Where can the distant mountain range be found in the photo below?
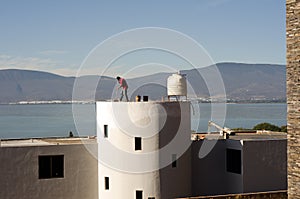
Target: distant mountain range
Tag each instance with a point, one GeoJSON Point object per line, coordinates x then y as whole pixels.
{"type": "Point", "coordinates": [241, 81]}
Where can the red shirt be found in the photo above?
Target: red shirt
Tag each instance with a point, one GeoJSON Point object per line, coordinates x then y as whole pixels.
{"type": "Point", "coordinates": [123, 83]}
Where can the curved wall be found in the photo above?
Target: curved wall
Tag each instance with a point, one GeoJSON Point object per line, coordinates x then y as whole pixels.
{"type": "Point", "coordinates": [129, 170]}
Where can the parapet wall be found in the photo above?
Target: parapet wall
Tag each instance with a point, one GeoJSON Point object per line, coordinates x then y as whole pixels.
{"type": "Point", "coordinates": [293, 95]}
{"type": "Point", "coordinates": [269, 195]}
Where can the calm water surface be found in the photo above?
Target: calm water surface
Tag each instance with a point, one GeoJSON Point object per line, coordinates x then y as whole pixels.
{"type": "Point", "coordinates": [47, 120]}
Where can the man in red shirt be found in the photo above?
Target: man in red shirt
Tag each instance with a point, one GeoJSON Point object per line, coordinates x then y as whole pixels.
{"type": "Point", "coordinates": [124, 86]}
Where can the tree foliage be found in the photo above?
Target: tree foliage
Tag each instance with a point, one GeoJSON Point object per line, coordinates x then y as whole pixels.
{"type": "Point", "coordinates": [283, 128]}
{"type": "Point", "coordinates": [267, 126]}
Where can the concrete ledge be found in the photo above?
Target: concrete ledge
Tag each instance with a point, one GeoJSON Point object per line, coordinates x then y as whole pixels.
{"type": "Point", "coordinates": [282, 194]}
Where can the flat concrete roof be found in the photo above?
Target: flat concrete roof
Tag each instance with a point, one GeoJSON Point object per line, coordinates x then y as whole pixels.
{"type": "Point", "coordinates": [47, 141]}
{"type": "Point", "coordinates": [246, 136]}
{"type": "Point", "coordinates": [265, 135]}
{"type": "Point", "coordinates": [260, 135]}
{"type": "Point", "coordinates": [149, 101]}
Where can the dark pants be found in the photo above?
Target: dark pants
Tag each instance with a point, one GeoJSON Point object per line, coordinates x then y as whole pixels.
{"type": "Point", "coordinates": [124, 92]}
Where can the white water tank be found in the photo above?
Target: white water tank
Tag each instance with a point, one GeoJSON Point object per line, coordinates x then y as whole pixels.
{"type": "Point", "coordinates": [176, 85]}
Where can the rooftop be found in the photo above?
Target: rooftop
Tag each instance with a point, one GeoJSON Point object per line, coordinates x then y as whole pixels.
{"type": "Point", "coordinates": [47, 141]}
{"type": "Point", "coordinates": [246, 136]}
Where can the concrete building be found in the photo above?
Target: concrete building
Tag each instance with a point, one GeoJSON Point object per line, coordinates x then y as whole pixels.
{"type": "Point", "coordinates": [242, 163]}
{"type": "Point", "coordinates": [144, 151]}
{"type": "Point", "coordinates": [48, 168]}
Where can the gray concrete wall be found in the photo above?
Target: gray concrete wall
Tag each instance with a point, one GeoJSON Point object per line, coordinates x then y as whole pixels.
{"type": "Point", "coordinates": [293, 95]}
{"type": "Point", "coordinates": [257, 195]}
{"type": "Point", "coordinates": [19, 173]}
{"type": "Point", "coordinates": [265, 165]}
{"type": "Point", "coordinates": [175, 134]}
{"type": "Point", "coordinates": [208, 174]}
{"type": "Point", "coordinates": [176, 182]}
{"type": "Point", "coordinates": [234, 182]}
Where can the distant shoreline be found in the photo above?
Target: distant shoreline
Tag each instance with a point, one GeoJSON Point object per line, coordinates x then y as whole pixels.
{"type": "Point", "coordinates": [280, 101]}
{"type": "Point", "coordinates": [47, 102]}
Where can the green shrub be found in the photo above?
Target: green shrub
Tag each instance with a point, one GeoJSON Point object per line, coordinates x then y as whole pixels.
{"type": "Point", "coordinates": [267, 126]}
{"type": "Point", "coordinates": [283, 128]}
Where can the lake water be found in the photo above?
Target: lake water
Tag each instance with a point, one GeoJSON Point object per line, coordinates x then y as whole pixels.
{"type": "Point", "coordinates": [47, 120]}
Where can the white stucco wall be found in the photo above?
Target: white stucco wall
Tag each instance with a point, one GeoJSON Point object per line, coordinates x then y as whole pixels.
{"type": "Point", "coordinates": [124, 185]}
{"type": "Point", "coordinates": [129, 170]}
{"type": "Point", "coordinates": [175, 138]}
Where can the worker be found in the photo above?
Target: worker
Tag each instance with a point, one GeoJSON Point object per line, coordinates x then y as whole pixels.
{"type": "Point", "coordinates": [124, 86]}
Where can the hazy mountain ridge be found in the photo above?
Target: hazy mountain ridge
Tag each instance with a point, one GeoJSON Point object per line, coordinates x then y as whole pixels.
{"type": "Point", "coordinates": [244, 81]}
{"type": "Point", "coordinates": [241, 81]}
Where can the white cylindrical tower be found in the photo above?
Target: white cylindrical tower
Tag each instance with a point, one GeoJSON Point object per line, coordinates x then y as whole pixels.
{"type": "Point", "coordinates": [131, 162]}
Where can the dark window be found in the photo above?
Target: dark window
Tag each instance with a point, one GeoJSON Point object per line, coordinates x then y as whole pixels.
{"type": "Point", "coordinates": [145, 98]}
{"type": "Point", "coordinates": [174, 160]}
{"type": "Point", "coordinates": [138, 143]}
{"type": "Point", "coordinates": [105, 131]}
{"type": "Point", "coordinates": [139, 194]}
{"type": "Point", "coordinates": [233, 161]}
{"type": "Point", "coordinates": [106, 182]}
{"type": "Point", "coordinates": [151, 197]}
{"type": "Point", "coordinates": [51, 166]}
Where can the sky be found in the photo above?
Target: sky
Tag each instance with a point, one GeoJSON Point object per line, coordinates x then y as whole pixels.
{"type": "Point", "coordinates": [59, 36]}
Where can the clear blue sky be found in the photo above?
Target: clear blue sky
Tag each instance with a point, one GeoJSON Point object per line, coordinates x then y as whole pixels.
{"type": "Point", "coordinates": [56, 35]}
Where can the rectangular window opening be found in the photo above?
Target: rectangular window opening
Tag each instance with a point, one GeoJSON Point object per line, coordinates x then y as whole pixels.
{"type": "Point", "coordinates": [139, 194]}
{"type": "Point", "coordinates": [106, 182]}
{"type": "Point", "coordinates": [105, 130]}
{"type": "Point", "coordinates": [151, 197]}
{"type": "Point", "coordinates": [51, 166]}
{"type": "Point", "coordinates": [174, 160]}
{"type": "Point", "coordinates": [234, 161]}
{"type": "Point", "coordinates": [138, 143]}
